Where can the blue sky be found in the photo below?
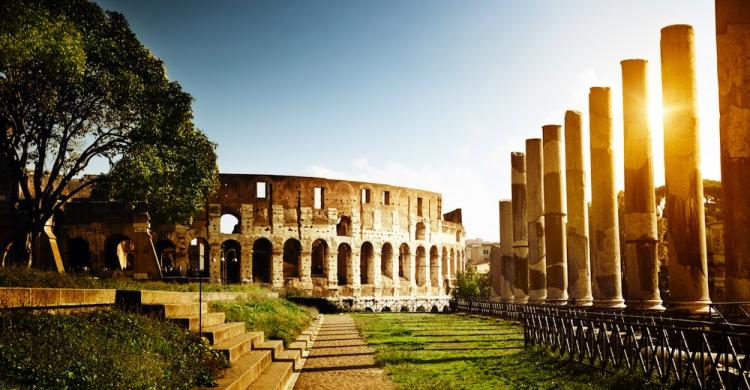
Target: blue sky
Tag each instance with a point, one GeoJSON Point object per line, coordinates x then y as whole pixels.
{"type": "Point", "coordinates": [426, 94]}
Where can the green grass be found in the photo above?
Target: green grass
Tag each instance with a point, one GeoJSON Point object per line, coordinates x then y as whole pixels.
{"type": "Point", "coordinates": [278, 318]}
{"type": "Point", "coordinates": [31, 277]}
{"type": "Point", "coordinates": [454, 351]}
{"type": "Point", "coordinates": [101, 350]}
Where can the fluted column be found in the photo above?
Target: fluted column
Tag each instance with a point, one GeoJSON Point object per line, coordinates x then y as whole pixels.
{"type": "Point", "coordinates": [641, 237]}
{"type": "Point", "coordinates": [520, 243]}
{"type": "Point", "coordinates": [733, 55]}
{"type": "Point", "coordinates": [535, 221]}
{"type": "Point", "coordinates": [605, 239]}
{"type": "Point", "coordinates": [554, 216]}
{"type": "Point", "coordinates": [507, 272]}
{"type": "Point", "coordinates": [579, 273]}
{"type": "Point", "coordinates": [688, 270]}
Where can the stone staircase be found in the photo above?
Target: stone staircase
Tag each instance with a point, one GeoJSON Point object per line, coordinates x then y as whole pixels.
{"type": "Point", "coordinates": [256, 363]}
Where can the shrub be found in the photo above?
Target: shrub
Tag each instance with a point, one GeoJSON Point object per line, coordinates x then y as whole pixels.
{"type": "Point", "coordinates": [471, 285]}
{"type": "Point", "coordinates": [102, 350]}
{"type": "Point", "coordinates": [278, 318]}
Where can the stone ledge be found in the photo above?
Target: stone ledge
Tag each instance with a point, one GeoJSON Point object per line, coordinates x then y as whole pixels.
{"type": "Point", "coordinates": [23, 297]}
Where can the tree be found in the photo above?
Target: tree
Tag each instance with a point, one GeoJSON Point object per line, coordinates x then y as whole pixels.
{"type": "Point", "coordinates": [77, 86]}
{"type": "Point", "coordinates": [472, 285]}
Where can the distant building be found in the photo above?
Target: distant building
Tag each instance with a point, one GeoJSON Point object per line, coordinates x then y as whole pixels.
{"type": "Point", "coordinates": [478, 254]}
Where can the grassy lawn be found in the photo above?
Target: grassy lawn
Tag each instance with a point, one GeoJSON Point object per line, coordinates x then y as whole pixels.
{"type": "Point", "coordinates": [455, 351]}
{"type": "Point", "coordinates": [278, 318]}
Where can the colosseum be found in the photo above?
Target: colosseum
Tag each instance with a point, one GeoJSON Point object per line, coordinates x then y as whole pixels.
{"type": "Point", "coordinates": [363, 245]}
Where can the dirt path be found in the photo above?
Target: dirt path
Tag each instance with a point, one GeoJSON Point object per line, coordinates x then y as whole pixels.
{"type": "Point", "coordinates": [340, 359]}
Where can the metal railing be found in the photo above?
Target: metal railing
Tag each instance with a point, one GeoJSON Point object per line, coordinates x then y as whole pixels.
{"type": "Point", "coordinates": [698, 353]}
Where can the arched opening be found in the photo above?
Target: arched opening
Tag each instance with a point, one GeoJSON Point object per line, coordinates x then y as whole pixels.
{"type": "Point", "coordinates": [386, 260]}
{"type": "Point", "coordinates": [165, 252]}
{"type": "Point", "coordinates": [292, 258]}
{"type": "Point", "coordinates": [366, 266]}
{"type": "Point", "coordinates": [434, 263]}
{"type": "Point", "coordinates": [405, 309]}
{"type": "Point", "coordinates": [79, 255]}
{"type": "Point", "coordinates": [344, 227]}
{"type": "Point", "coordinates": [445, 263]}
{"type": "Point", "coordinates": [368, 310]}
{"type": "Point", "coordinates": [434, 309]}
{"type": "Point", "coordinates": [229, 224]}
{"type": "Point", "coordinates": [386, 309]}
{"type": "Point", "coordinates": [231, 261]}
{"type": "Point", "coordinates": [419, 233]}
{"type": "Point", "coordinates": [198, 256]}
{"type": "Point", "coordinates": [119, 252]}
{"type": "Point", "coordinates": [404, 257]}
{"type": "Point", "coordinates": [343, 262]}
{"type": "Point", "coordinates": [421, 266]}
{"type": "Point", "coordinates": [262, 260]}
{"type": "Point", "coordinates": [319, 265]}
{"type": "Point", "coordinates": [421, 309]}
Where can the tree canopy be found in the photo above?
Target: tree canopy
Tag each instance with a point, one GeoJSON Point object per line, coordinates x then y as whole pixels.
{"type": "Point", "coordinates": [77, 86]}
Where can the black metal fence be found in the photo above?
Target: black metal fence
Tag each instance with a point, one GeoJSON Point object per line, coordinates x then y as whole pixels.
{"type": "Point", "coordinates": [695, 353]}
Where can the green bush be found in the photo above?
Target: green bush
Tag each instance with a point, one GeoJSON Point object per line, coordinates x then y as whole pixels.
{"type": "Point", "coordinates": [278, 318]}
{"type": "Point", "coordinates": [471, 285]}
{"type": "Point", "coordinates": [102, 350]}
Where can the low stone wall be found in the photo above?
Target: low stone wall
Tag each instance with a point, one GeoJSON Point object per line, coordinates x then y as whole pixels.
{"type": "Point", "coordinates": [394, 304]}
{"type": "Point", "coordinates": [22, 297]}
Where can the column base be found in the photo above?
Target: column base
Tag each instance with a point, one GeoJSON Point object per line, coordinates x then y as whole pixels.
{"type": "Point", "coordinates": [617, 303]}
{"type": "Point", "coordinates": [693, 307]}
{"type": "Point", "coordinates": [520, 301]}
{"type": "Point", "coordinates": [584, 302]}
{"type": "Point", "coordinates": [537, 301]}
{"type": "Point", "coordinates": [649, 304]}
{"type": "Point", "coordinates": [557, 301]}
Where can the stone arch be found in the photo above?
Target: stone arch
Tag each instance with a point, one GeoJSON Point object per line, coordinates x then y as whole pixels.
{"type": "Point", "coordinates": [344, 262]}
{"type": "Point", "coordinates": [292, 258]}
{"type": "Point", "coordinates": [420, 309]}
{"type": "Point", "coordinates": [262, 260]}
{"type": "Point", "coordinates": [166, 252]}
{"type": "Point", "coordinates": [344, 226]}
{"type": "Point", "coordinates": [419, 232]}
{"type": "Point", "coordinates": [319, 258]}
{"type": "Point", "coordinates": [386, 309]}
{"type": "Point", "coordinates": [231, 260]}
{"type": "Point", "coordinates": [386, 260]}
{"type": "Point", "coordinates": [79, 254]}
{"type": "Point", "coordinates": [404, 259]}
{"type": "Point", "coordinates": [119, 252]}
{"type": "Point", "coordinates": [366, 263]}
{"type": "Point", "coordinates": [229, 222]}
{"type": "Point", "coordinates": [198, 256]}
{"type": "Point", "coordinates": [368, 309]}
{"type": "Point", "coordinates": [405, 309]}
{"type": "Point", "coordinates": [421, 261]}
{"type": "Point", "coordinates": [434, 309]}
{"type": "Point", "coordinates": [434, 261]}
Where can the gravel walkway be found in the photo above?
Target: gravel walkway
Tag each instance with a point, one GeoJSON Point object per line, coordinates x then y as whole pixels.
{"type": "Point", "coordinates": [340, 359]}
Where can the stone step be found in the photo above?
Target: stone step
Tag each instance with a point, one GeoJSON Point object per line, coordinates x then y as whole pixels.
{"type": "Point", "coordinates": [293, 356]}
{"type": "Point", "coordinates": [220, 332]}
{"type": "Point", "coordinates": [275, 346]}
{"type": "Point", "coordinates": [191, 322]}
{"type": "Point", "coordinates": [244, 371]}
{"type": "Point", "coordinates": [171, 310]}
{"type": "Point", "coordinates": [237, 346]}
{"type": "Point", "coordinates": [274, 377]}
{"type": "Point", "coordinates": [298, 345]}
{"type": "Point", "coordinates": [304, 338]}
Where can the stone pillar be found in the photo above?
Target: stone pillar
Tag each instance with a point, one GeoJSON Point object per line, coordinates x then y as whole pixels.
{"type": "Point", "coordinates": [246, 264]}
{"type": "Point", "coordinates": [333, 269]}
{"type": "Point", "coordinates": [507, 272]}
{"type": "Point", "coordinates": [688, 270]}
{"type": "Point", "coordinates": [376, 273]}
{"type": "Point", "coordinates": [277, 269]}
{"type": "Point", "coordinates": [733, 55]}
{"type": "Point", "coordinates": [641, 237]}
{"type": "Point", "coordinates": [412, 271]}
{"type": "Point", "coordinates": [535, 221]}
{"type": "Point", "coordinates": [394, 273]}
{"type": "Point", "coordinates": [605, 239]}
{"type": "Point", "coordinates": [520, 243]}
{"type": "Point", "coordinates": [579, 267]}
{"type": "Point", "coordinates": [305, 277]}
{"type": "Point", "coordinates": [495, 262]}
{"type": "Point", "coordinates": [554, 216]}
{"type": "Point", "coordinates": [214, 263]}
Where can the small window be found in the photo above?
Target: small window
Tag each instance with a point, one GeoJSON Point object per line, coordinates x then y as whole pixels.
{"type": "Point", "coordinates": [386, 197]}
{"type": "Point", "coordinates": [419, 207]}
{"type": "Point", "coordinates": [318, 197]}
{"type": "Point", "coordinates": [260, 190]}
{"type": "Point", "coordinates": [365, 195]}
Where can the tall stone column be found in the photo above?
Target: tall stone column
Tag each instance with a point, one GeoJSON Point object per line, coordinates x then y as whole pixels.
{"type": "Point", "coordinates": [520, 242]}
{"type": "Point", "coordinates": [495, 263]}
{"type": "Point", "coordinates": [605, 239]}
{"type": "Point", "coordinates": [355, 269]}
{"type": "Point", "coordinates": [554, 216]}
{"type": "Point", "coordinates": [733, 55]}
{"type": "Point", "coordinates": [412, 271]}
{"type": "Point", "coordinates": [246, 264]}
{"type": "Point", "coordinates": [688, 270]}
{"type": "Point", "coordinates": [579, 268]}
{"type": "Point", "coordinates": [507, 269]}
{"type": "Point", "coordinates": [535, 221]}
{"type": "Point", "coordinates": [332, 273]}
{"type": "Point", "coordinates": [641, 237]}
{"type": "Point", "coordinates": [277, 269]}
{"type": "Point", "coordinates": [305, 277]}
